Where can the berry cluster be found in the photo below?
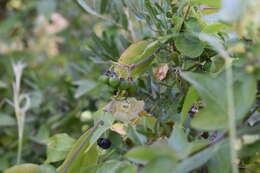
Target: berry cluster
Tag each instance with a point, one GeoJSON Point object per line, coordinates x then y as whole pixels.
{"type": "Point", "coordinates": [111, 79]}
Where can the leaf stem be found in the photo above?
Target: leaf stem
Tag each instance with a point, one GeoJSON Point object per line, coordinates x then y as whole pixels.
{"type": "Point", "coordinates": [133, 66]}
{"type": "Point", "coordinates": [231, 114]}
{"type": "Point", "coordinates": [81, 145]}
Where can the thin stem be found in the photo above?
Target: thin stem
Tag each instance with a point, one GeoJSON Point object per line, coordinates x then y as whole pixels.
{"type": "Point", "coordinates": [80, 147]}
{"type": "Point", "coordinates": [184, 17]}
{"type": "Point", "coordinates": [231, 114]}
{"type": "Point", "coordinates": [130, 26]}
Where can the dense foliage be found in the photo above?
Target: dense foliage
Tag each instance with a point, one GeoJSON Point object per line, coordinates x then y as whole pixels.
{"type": "Point", "coordinates": [127, 86]}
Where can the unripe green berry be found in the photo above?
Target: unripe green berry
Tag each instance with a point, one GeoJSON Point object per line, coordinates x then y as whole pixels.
{"type": "Point", "coordinates": [124, 85]}
{"type": "Point", "coordinates": [114, 82]}
{"type": "Point", "coordinates": [133, 88]}
{"type": "Point", "coordinates": [104, 79]}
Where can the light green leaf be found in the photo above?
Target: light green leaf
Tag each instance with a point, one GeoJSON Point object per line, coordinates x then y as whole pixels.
{"type": "Point", "coordinates": [42, 134]}
{"type": "Point", "coordinates": [160, 164]}
{"type": "Point", "coordinates": [220, 162]}
{"type": "Point", "coordinates": [135, 136]}
{"type": "Point", "coordinates": [144, 154]}
{"type": "Point", "coordinates": [84, 86]}
{"type": "Point", "coordinates": [88, 158]}
{"type": "Point", "coordinates": [199, 159]}
{"type": "Point", "coordinates": [190, 99]}
{"type": "Point", "coordinates": [127, 168]}
{"type": "Point", "coordinates": [87, 8]}
{"type": "Point", "coordinates": [6, 120]}
{"type": "Point", "coordinates": [213, 28]}
{"type": "Point", "coordinates": [23, 168]}
{"type": "Point", "coordinates": [58, 147]}
{"type": "Point", "coordinates": [46, 169]}
{"type": "Point", "coordinates": [115, 166]}
{"type": "Point", "coordinates": [212, 89]}
{"type": "Point", "coordinates": [189, 45]}
{"type": "Point", "coordinates": [107, 119]}
{"type": "Point", "coordinates": [178, 141]}
{"type": "Point", "coordinates": [211, 3]}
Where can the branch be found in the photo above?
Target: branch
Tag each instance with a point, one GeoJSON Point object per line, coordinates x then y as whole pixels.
{"type": "Point", "coordinates": [80, 147]}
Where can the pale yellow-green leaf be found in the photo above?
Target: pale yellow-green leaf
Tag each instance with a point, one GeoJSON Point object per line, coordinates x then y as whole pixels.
{"type": "Point", "coordinates": [23, 168]}
{"type": "Point", "coordinates": [133, 55]}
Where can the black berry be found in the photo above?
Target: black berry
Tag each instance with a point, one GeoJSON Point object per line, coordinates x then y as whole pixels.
{"type": "Point", "coordinates": [104, 143]}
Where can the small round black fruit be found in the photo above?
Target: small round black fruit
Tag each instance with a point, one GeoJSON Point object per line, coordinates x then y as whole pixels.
{"type": "Point", "coordinates": [104, 79]}
{"type": "Point", "coordinates": [114, 82]}
{"type": "Point", "coordinates": [104, 143]}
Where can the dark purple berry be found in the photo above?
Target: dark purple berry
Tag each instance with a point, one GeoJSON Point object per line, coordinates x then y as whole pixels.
{"type": "Point", "coordinates": [114, 75]}
{"type": "Point", "coordinates": [104, 143]}
{"type": "Point", "coordinates": [107, 73]}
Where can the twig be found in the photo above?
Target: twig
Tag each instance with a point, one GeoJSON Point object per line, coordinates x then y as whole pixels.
{"type": "Point", "coordinates": [80, 147]}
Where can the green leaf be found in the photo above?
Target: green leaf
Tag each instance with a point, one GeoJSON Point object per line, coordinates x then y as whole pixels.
{"type": "Point", "coordinates": [84, 86]}
{"type": "Point", "coordinates": [23, 168]}
{"type": "Point", "coordinates": [87, 8]}
{"type": "Point", "coordinates": [6, 120]}
{"type": "Point", "coordinates": [199, 159]}
{"type": "Point", "coordinates": [135, 53]}
{"type": "Point", "coordinates": [58, 147]}
{"type": "Point", "coordinates": [193, 25]}
{"type": "Point", "coordinates": [115, 166]}
{"type": "Point", "coordinates": [199, 144]}
{"type": "Point", "coordinates": [42, 134]}
{"type": "Point", "coordinates": [189, 45]}
{"type": "Point", "coordinates": [160, 164]}
{"type": "Point", "coordinates": [46, 169]}
{"type": "Point", "coordinates": [250, 150]}
{"type": "Point", "coordinates": [144, 154]}
{"type": "Point", "coordinates": [135, 136]}
{"type": "Point", "coordinates": [88, 157]}
{"type": "Point", "coordinates": [220, 162]}
{"type": "Point", "coordinates": [190, 99]}
{"type": "Point", "coordinates": [107, 119]}
{"type": "Point", "coordinates": [213, 28]}
{"type": "Point", "coordinates": [127, 168]}
{"type": "Point", "coordinates": [211, 3]}
{"type": "Point", "coordinates": [179, 142]}
{"type": "Point", "coordinates": [211, 88]}
{"type": "Point", "coordinates": [46, 7]}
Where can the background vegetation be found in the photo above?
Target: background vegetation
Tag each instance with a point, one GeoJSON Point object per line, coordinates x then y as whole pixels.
{"type": "Point", "coordinates": [200, 93]}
